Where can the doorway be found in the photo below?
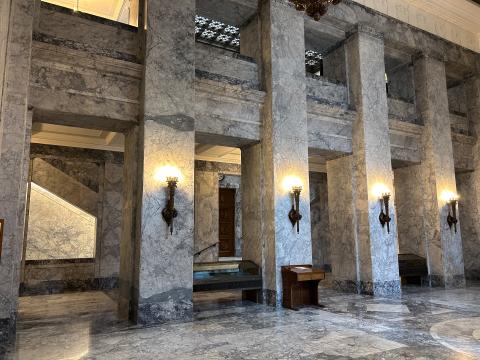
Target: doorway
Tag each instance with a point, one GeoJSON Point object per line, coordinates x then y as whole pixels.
{"type": "Point", "coordinates": [226, 220]}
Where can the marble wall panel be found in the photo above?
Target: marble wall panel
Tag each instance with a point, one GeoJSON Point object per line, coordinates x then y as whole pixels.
{"type": "Point", "coordinates": [15, 128]}
{"type": "Point", "coordinates": [96, 35]}
{"type": "Point", "coordinates": [457, 99]}
{"type": "Point", "coordinates": [444, 246]}
{"type": "Point", "coordinates": [469, 184]}
{"type": "Point", "coordinates": [342, 222]}
{"type": "Point", "coordinates": [408, 195]}
{"type": "Point", "coordinates": [402, 110]}
{"type": "Point", "coordinates": [67, 187]}
{"type": "Point", "coordinates": [334, 65]}
{"type": "Point", "coordinates": [70, 82]}
{"type": "Point", "coordinates": [459, 124]}
{"type": "Point", "coordinates": [206, 216]}
{"type": "Point", "coordinates": [235, 182]}
{"type": "Point", "coordinates": [57, 229]}
{"type": "Point", "coordinates": [469, 215]}
{"type": "Point", "coordinates": [319, 219]}
{"type": "Point", "coordinates": [219, 61]}
{"type": "Point", "coordinates": [324, 91]}
{"type": "Point", "coordinates": [228, 110]}
{"type": "Point", "coordinates": [400, 84]}
{"type": "Point", "coordinates": [111, 225]}
{"type": "Point", "coordinates": [91, 180]}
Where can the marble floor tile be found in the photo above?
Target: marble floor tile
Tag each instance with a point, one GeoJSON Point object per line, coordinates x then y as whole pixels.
{"type": "Point", "coordinates": [423, 324]}
{"type": "Point", "coordinates": [388, 308]}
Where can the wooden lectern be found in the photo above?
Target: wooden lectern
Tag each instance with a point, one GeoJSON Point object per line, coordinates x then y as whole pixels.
{"type": "Point", "coordinates": [300, 285]}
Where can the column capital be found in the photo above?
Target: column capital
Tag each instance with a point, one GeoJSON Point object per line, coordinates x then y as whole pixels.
{"type": "Point", "coordinates": [366, 29]}
{"type": "Point", "coordinates": [285, 3]}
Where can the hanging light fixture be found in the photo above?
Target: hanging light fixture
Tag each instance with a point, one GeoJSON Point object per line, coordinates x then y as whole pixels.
{"type": "Point", "coordinates": [314, 8]}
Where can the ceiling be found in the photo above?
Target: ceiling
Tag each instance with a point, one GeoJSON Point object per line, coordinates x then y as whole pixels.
{"type": "Point", "coordinates": [76, 137]}
{"type": "Point", "coordinates": [117, 10]}
{"type": "Point", "coordinates": [455, 20]}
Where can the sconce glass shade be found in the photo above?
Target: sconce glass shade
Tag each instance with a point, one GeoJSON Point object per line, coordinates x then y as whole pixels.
{"type": "Point", "coordinates": [448, 196]}
{"type": "Point", "coordinates": [291, 182]}
{"type": "Point", "coordinates": [379, 190]}
{"type": "Point", "coordinates": [168, 174]}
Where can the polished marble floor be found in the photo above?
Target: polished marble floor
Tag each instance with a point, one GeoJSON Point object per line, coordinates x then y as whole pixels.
{"type": "Point", "coordinates": [423, 324]}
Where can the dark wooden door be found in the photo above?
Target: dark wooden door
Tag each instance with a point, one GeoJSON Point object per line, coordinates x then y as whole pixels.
{"type": "Point", "coordinates": [226, 219]}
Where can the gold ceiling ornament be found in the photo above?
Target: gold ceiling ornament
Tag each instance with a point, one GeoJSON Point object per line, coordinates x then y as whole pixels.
{"type": "Point", "coordinates": [314, 8]}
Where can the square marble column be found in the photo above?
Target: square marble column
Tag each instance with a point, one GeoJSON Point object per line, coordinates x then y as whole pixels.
{"type": "Point", "coordinates": [443, 245]}
{"type": "Point", "coordinates": [364, 254]}
{"type": "Point", "coordinates": [283, 152]}
{"type": "Point", "coordinates": [16, 22]}
{"type": "Point", "coordinates": [163, 262]}
{"type": "Point", "coordinates": [469, 185]}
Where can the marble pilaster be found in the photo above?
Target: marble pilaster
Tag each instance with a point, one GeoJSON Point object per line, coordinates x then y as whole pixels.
{"type": "Point", "coordinates": [283, 151]}
{"type": "Point", "coordinates": [163, 266]}
{"type": "Point", "coordinates": [443, 246]}
{"type": "Point", "coordinates": [15, 128]}
{"type": "Point", "coordinates": [372, 266]}
{"type": "Point", "coordinates": [469, 185]}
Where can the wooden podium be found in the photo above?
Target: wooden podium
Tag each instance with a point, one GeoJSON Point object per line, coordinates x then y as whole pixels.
{"type": "Point", "coordinates": [300, 285]}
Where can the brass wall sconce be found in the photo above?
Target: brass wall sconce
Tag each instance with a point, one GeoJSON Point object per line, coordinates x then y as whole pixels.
{"type": "Point", "coordinates": [452, 213]}
{"type": "Point", "coordinates": [169, 212]}
{"type": "Point", "coordinates": [294, 214]}
{"type": "Point", "coordinates": [385, 215]}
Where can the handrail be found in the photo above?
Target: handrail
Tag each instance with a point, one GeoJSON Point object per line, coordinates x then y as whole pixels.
{"type": "Point", "coordinates": [203, 250]}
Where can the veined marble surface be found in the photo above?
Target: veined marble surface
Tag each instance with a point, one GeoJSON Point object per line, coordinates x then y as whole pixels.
{"type": "Point", "coordinates": [84, 326]}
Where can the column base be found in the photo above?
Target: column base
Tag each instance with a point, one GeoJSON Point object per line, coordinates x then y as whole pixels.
{"type": "Point", "coordinates": [450, 282]}
{"type": "Point", "coordinates": [172, 306]}
{"type": "Point", "coordinates": [390, 288]}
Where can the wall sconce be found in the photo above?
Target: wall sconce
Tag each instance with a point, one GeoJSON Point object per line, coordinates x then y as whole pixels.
{"type": "Point", "coordinates": [385, 215]}
{"type": "Point", "coordinates": [169, 212]}
{"type": "Point", "coordinates": [452, 213]}
{"type": "Point", "coordinates": [294, 214]}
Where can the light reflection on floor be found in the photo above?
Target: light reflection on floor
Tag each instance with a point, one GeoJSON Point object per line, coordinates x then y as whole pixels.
{"type": "Point", "coordinates": [424, 324]}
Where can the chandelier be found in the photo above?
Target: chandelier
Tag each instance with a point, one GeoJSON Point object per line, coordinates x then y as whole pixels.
{"type": "Point", "coordinates": [314, 8]}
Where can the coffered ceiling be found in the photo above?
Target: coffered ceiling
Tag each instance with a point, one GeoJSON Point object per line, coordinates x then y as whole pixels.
{"type": "Point", "coordinates": [110, 9]}
{"type": "Point", "coordinates": [455, 20]}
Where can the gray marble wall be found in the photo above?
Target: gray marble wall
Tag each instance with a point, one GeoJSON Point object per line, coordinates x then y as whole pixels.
{"type": "Point", "coordinates": [319, 219]}
{"type": "Point", "coordinates": [283, 152]}
{"type": "Point", "coordinates": [161, 287]}
{"type": "Point", "coordinates": [375, 265]}
{"type": "Point", "coordinates": [235, 182]}
{"type": "Point", "coordinates": [408, 195]}
{"type": "Point", "coordinates": [469, 185]}
{"type": "Point", "coordinates": [207, 187]}
{"type": "Point", "coordinates": [469, 215]}
{"type": "Point", "coordinates": [91, 180]}
{"type": "Point", "coordinates": [444, 246]}
{"type": "Point", "coordinates": [457, 99]}
{"type": "Point", "coordinates": [401, 83]}
{"type": "Point", "coordinates": [206, 216]}
{"type": "Point", "coordinates": [15, 128]}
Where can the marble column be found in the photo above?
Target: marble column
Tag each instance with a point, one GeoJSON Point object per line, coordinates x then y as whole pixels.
{"type": "Point", "coordinates": [163, 266]}
{"type": "Point", "coordinates": [443, 245]}
{"type": "Point", "coordinates": [283, 151]}
{"type": "Point", "coordinates": [15, 127]}
{"type": "Point", "coordinates": [364, 254]}
{"type": "Point", "coordinates": [469, 185]}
